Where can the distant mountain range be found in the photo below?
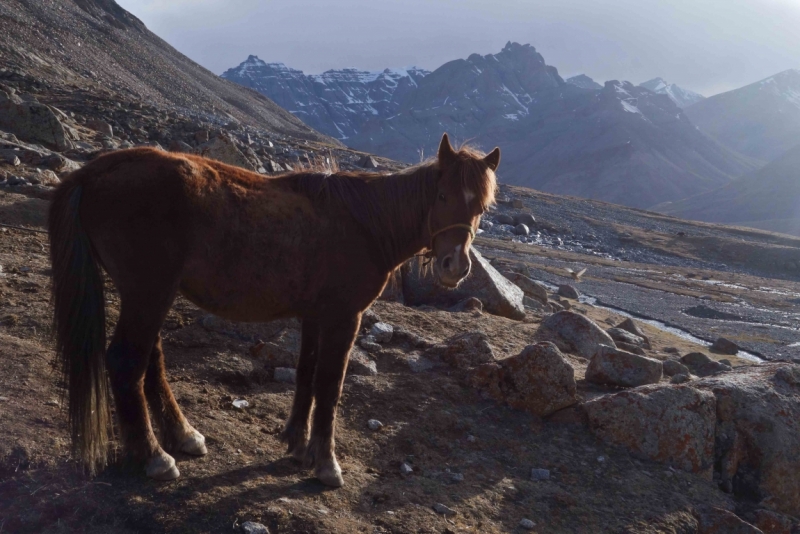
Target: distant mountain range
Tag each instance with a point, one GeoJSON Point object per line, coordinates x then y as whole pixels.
{"type": "Point", "coordinates": [620, 143]}
{"type": "Point", "coordinates": [768, 198]}
{"type": "Point", "coordinates": [683, 98]}
{"type": "Point", "coordinates": [584, 82]}
{"type": "Point", "coordinates": [760, 120]}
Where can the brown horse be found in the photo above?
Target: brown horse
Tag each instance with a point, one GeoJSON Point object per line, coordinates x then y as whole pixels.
{"type": "Point", "coordinates": [319, 247]}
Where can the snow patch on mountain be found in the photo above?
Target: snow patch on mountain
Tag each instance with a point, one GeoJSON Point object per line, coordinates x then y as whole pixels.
{"type": "Point", "coordinates": [682, 97]}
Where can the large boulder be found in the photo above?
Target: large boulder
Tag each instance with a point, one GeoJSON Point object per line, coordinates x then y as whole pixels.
{"type": "Point", "coordinates": [629, 325]}
{"type": "Point", "coordinates": [619, 368]}
{"type": "Point", "coordinates": [531, 288]}
{"type": "Point", "coordinates": [538, 380]}
{"type": "Point", "coordinates": [223, 148]}
{"type": "Point", "coordinates": [670, 424]}
{"type": "Point", "coordinates": [498, 295]}
{"type": "Point", "coordinates": [573, 332]}
{"type": "Point", "coordinates": [758, 432]}
{"type": "Point", "coordinates": [32, 121]}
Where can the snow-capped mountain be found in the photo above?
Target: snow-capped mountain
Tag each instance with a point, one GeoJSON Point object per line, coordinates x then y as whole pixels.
{"type": "Point", "coordinates": [619, 143]}
{"type": "Point", "coordinates": [336, 102]}
{"type": "Point", "coordinates": [761, 120]}
{"type": "Point", "coordinates": [584, 82]}
{"type": "Point", "coordinates": [683, 98]}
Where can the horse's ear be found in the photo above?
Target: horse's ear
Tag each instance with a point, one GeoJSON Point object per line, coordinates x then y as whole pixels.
{"type": "Point", "coordinates": [493, 159]}
{"type": "Point", "coordinates": [445, 150]}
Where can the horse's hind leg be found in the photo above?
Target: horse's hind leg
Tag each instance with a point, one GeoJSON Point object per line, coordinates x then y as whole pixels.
{"type": "Point", "coordinates": [295, 435]}
{"type": "Point", "coordinates": [336, 340]}
{"type": "Point", "coordinates": [176, 432]}
{"type": "Point", "coordinates": [127, 361]}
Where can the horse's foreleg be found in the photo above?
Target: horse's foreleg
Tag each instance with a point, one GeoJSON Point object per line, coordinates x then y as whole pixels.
{"type": "Point", "coordinates": [295, 435]}
{"type": "Point", "coordinates": [176, 432]}
{"type": "Point", "coordinates": [127, 361]}
{"type": "Point", "coordinates": [336, 339]}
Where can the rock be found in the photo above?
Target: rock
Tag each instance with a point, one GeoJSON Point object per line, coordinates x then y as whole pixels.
{"type": "Point", "coordinates": [680, 378]}
{"type": "Point", "coordinates": [534, 304]}
{"type": "Point", "coordinates": [248, 527]}
{"type": "Point", "coordinates": [630, 326]}
{"type": "Point", "coordinates": [671, 350]}
{"type": "Point", "coordinates": [711, 520]}
{"type": "Point", "coordinates": [240, 404]}
{"type": "Point", "coordinates": [272, 167]}
{"type": "Point", "coordinates": [527, 524]}
{"type": "Point", "coordinates": [360, 364]}
{"type": "Point", "coordinates": [668, 424]}
{"type": "Point", "coordinates": [403, 336]}
{"type": "Point", "coordinates": [368, 162]}
{"type": "Point", "coordinates": [573, 332]}
{"type": "Point", "coordinates": [540, 474]}
{"type": "Point", "coordinates": [531, 288]}
{"type": "Point", "coordinates": [274, 355]}
{"type": "Point", "coordinates": [568, 291]}
{"type": "Point", "coordinates": [758, 433]}
{"type": "Point", "coordinates": [439, 508]}
{"type": "Point", "coordinates": [368, 343]}
{"type": "Point", "coordinates": [374, 424]}
{"type": "Point", "coordinates": [525, 218]}
{"type": "Point", "coordinates": [630, 348]}
{"type": "Point", "coordinates": [619, 368]}
{"type": "Point", "coordinates": [179, 146]}
{"type": "Point", "coordinates": [286, 375]}
{"type": "Point", "coordinates": [771, 522]}
{"type": "Point", "coordinates": [503, 218]}
{"type": "Point", "coordinates": [100, 126]}
{"type": "Point", "coordinates": [498, 295]}
{"type": "Point", "coordinates": [468, 305]}
{"type": "Point", "coordinates": [517, 204]}
{"type": "Point", "coordinates": [382, 332]}
{"type": "Point", "coordinates": [618, 334]}
{"type": "Point", "coordinates": [222, 148]}
{"type": "Point", "coordinates": [10, 157]}
{"type": "Point", "coordinates": [201, 136]}
{"type": "Point", "coordinates": [521, 229]}
{"type": "Point", "coordinates": [485, 225]}
{"type": "Point", "coordinates": [48, 178]}
{"type": "Point", "coordinates": [463, 350]}
{"type": "Point", "coordinates": [672, 368]}
{"type": "Point", "coordinates": [538, 380]}
{"type": "Point", "coordinates": [406, 469]}
{"type": "Point", "coordinates": [701, 365]}
{"type": "Point", "coordinates": [725, 346]}
{"type": "Point", "coordinates": [32, 121]}
{"type": "Point", "coordinates": [369, 318]}
{"type": "Point", "coordinates": [555, 307]}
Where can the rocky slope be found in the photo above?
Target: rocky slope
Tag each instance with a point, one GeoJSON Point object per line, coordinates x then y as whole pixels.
{"type": "Point", "coordinates": [761, 120]}
{"type": "Point", "coordinates": [336, 102]}
{"type": "Point", "coordinates": [97, 47]}
{"type": "Point", "coordinates": [623, 144]}
{"type": "Point", "coordinates": [682, 97]}
{"type": "Point", "coordinates": [768, 198]}
{"type": "Point", "coordinates": [584, 82]}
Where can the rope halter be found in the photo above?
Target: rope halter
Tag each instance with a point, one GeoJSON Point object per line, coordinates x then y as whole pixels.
{"type": "Point", "coordinates": [467, 227]}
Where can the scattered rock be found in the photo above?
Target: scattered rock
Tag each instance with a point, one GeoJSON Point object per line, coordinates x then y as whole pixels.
{"type": "Point", "coordinates": [463, 350]}
{"type": "Point", "coordinates": [540, 474]}
{"type": "Point", "coordinates": [223, 148]}
{"type": "Point", "coordinates": [100, 126]}
{"type": "Point", "coordinates": [672, 368]}
{"type": "Point", "coordinates": [249, 527]}
{"type": "Point", "coordinates": [534, 304]}
{"type": "Point", "coordinates": [368, 162]}
{"type": "Point", "coordinates": [439, 508]}
{"type": "Point", "coordinates": [498, 295]}
{"type": "Point", "coordinates": [285, 374]}
{"type": "Point", "coordinates": [712, 520]}
{"type": "Point", "coordinates": [406, 469]}
{"type": "Point", "coordinates": [32, 122]}
{"type": "Point", "coordinates": [522, 229]}
{"type": "Point", "coordinates": [629, 325]}
{"type": "Point", "coordinates": [503, 218]}
{"type": "Point", "coordinates": [620, 335]}
{"type": "Point", "coordinates": [531, 288]}
{"type": "Point", "coordinates": [701, 365]}
{"type": "Point", "coordinates": [374, 424]}
{"type": "Point", "coordinates": [573, 332]}
{"type": "Point", "coordinates": [360, 364]}
{"type": "Point", "coordinates": [681, 378]}
{"type": "Point", "coordinates": [671, 350]}
{"type": "Point", "coordinates": [568, 291]}
{"type": "Point", "coordinates": [669, 424]}
{"type": "Point", "coordinates": [517, 204]}
{"type": "Point", "coordinates": [525, 218]}
{"type": "Point", "coordinates": [527, 524]}
{"type": "Point", "coordinates": [468, 305]}
{"type": "Point", "coordinates": [382, 332]}
{"type": "Point", "coordinates": [630, 348]}
{"type": "Point", "coordinates": [369, 318]}
{"type": "Point", "coordinates": [273, 354]}
{"type": "Point", "coordinates": [538, 380]}
{"type": "Point", "coordinates": [368, 343]}
{"type": "Point", "coordinates": [240, 404]}
{"type": "Point", "coordinates": [725, 346]}
{"type": "Point", "coordinates": [619, 368]}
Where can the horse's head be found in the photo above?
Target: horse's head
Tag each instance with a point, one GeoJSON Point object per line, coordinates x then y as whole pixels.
{"type": "Point", "coordinates": [465, 189]}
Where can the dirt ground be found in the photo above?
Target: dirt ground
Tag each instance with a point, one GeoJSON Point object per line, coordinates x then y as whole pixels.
{"type": "Point", "coordinates": [468, 453]}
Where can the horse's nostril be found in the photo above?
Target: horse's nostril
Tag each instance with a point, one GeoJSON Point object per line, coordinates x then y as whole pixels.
{"type": "Point", "coordinates": [447, 262]}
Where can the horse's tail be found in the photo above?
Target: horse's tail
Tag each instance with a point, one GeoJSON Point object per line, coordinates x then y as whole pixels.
{"type": "Point", "coordinates": [79, 325]}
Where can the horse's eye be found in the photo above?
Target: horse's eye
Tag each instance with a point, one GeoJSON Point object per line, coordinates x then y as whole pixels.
{"type": "Point", "coordinates": [441, 197]}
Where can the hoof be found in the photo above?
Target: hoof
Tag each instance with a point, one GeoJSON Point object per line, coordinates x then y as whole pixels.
{"type": "Point", "coordinates": [162, 467]}
{"type": "Point", "coordinates": [330, 475]}
{"type": "Point", "coordinates": [195, 444]}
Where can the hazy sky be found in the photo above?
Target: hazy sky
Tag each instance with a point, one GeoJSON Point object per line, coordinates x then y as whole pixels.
{"type": "Point", "coordinates": [708, 46]}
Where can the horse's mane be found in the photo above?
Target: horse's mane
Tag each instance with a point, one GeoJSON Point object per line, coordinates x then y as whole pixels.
{"type": "Point", "coordinates": [394, 207]}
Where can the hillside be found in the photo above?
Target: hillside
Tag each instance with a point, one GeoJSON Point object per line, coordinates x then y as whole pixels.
{"type": "Point", "coordinates": [97, 47]}
{"type": "Point", "coordinates": [768, 199]}
{"type": "Point", "coordinates": [760, 120]}
{"type": "Point", "coordinates": [622, 144]}
{"type": "Point", "coordinates": [683, 98]}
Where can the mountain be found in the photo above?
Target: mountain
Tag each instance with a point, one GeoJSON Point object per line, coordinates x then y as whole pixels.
{"type": "Point", "coordinates": [621, 143]}
{"type": "Point", "coordinates": [584, 82]}
{"type": "Point", "coordinates": [683, 98]}
{"type": "Point", "coordinates": [336, 102]}
{"type": "Point", "coordinates": [761, 120]}
{"type": "Point", "coordinates": [768, 198]}
{"type": "Point", "coordinates": [97, 47]}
